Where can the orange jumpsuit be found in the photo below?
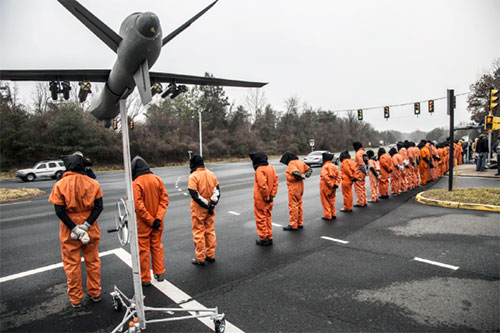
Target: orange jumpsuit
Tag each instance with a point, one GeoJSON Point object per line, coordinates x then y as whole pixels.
{"type": "Point", "coordinates": [386, 167]}
{"type": "Point", "coordinates": [411, 168]}
{"type": "Point", "coordinates": [417, 158]}
{"type": "Point", "coordinates": [203, 181]}
{"type": "Point", "coordinates": [348, 170]}
{"type": "Point", "coordinates": [374, 190]}
{"type": "Point", "coordinates": [434, 171]}
{"type": "Point", "coordinates": [405, 174]}
{"type": "Point", "coordinates": [330, 177]}
{"type": "Point", "coordinates": [359, 186]}
{"type": "Point", "coordinates": [397, 174]}
{"type": "Point", "coordinates": [424, 166]}
{"type": "Point", "coordinates": [295, 192]}
{"type": "Point", "coordinates": [77, 192]}
{"type": "Point", "coordinates": [151, 201]}
{"type": "Point", "coordinates": [460, 152]}
{"type": "Point", "coordinates": [442, 162]}
{"type": "Point", "coordinates": [265, 185]}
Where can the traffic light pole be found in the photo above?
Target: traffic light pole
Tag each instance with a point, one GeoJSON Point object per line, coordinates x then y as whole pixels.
{"type": "Point", "coordinates": [451, 112]}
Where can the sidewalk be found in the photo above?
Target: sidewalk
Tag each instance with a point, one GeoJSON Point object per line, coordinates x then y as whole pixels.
{"type": "Point", "coordinates": [469, 170]}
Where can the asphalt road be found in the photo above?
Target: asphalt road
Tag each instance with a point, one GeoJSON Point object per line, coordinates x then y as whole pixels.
{"type": "Point", "coordinates": [302, 283]}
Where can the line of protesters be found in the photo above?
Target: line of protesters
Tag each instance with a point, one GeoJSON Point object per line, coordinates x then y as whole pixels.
{"type": "Point", "coordinates": [77, 199]}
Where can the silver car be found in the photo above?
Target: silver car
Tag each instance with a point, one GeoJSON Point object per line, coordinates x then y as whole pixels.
{"type": "Point", "coordinates": [315, 158]}
{"type": "Point", "coordinates": [53, 169]}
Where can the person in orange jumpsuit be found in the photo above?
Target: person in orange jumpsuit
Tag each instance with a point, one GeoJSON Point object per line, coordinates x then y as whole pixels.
{"type": "Point", "coordinates": [361, 161]}
{"type": "Point", "coordinates": [205, 194]}
{"type": "Point", "coordinates": [77, 201]}
{"type": "Point", "coordinates": [425, 163]}
{"type": "Point", "coordinates": [397, 174]}
{"type": "Point", "coordinates": [434, 161]}
{"type": "Point", "coordinates": [328, 184]}
{"type": "Point", "coordinates": [386, 168]}
{"type": "Point", "coordinates": [460, 152]}
{"type": "Point", "coordinates": [416, 164]}
{"type": "Point", "coordinates": [348, 173]}
{"type": "Point", "coordinates": [296, 172]}
{"type": "Point", "coordinates": [411, 165]}
{"type": "Point", "coordinates": [441, 154]}
{"type": "Point", "coordinates": [151, 201]}
{"type": "Point", "coordinates": [374, 172]}
{"type": "Point", "coordinates": [264, 190]}
{"type": "Point", "coordinates": [405, 173]}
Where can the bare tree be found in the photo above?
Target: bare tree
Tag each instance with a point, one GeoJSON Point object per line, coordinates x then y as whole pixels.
{"type": "Point", "coordinates": [40, 97]}
{"type": "Point", "coordinates": [255, 102]}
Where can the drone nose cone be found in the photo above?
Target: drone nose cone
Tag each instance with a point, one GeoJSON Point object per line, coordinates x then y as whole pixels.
{"type": "Point", "coordinates": [148, 24]}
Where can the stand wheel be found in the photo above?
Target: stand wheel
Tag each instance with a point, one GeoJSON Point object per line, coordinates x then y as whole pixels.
{"type": "Point", "coordinates": [117, 304]}
{"type": "Point", "coordinates": [220, 325]}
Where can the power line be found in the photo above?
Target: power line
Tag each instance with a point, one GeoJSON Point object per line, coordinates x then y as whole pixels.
{"type": "Point", "coordinates": [397, 105]}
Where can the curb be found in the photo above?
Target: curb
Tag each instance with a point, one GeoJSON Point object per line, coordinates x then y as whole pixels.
{"type": "Point", "coordinates": [453, 204]}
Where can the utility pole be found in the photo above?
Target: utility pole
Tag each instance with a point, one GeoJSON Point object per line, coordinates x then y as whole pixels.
{"type": "Point", "coordinates": [451, 112]}
{"type": "Point", "coordinates": [201, 140]}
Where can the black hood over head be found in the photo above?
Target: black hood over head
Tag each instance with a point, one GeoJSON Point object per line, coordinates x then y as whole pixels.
{"type": "Point", "coordinates": [139, 167]}
{"type": "Point", "coordinates": [74, 163]}
{"type": "Point", "coordinates": [327, 157]}
{"type": "Point", "coordinates": [196, 162]}
{"type": "Point", "coordinates": [370, 153]}
{"type": "Point", "coordinates": [287, 157]}
{"type": "Point", "coordinates": [399, 145]}
{"type": "Point", "coordinates": [393, 151]}
{"type": "Point", "coordinates": [381, 151]}
{"type": "Point", "coordinates": [357, 145]}
{"type": "Point", "coordinates": [258, 159]}
{"type": "Point", "coordinates": [344, 155]}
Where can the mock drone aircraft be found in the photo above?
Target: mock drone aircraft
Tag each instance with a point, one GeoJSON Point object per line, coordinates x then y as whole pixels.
{"type": "Point", "coordinates": [138, 46]}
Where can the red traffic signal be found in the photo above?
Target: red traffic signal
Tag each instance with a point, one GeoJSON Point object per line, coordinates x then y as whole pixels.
{"type": "Point", "coordinates": [431, 106]}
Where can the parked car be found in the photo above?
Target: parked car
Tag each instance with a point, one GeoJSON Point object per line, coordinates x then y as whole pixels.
{"type": "Point", "coordinates": [316, 158]}
{"type": "Point", "coordinates": [53, 169]}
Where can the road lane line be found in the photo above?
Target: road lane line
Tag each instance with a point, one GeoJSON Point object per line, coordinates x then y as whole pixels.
{"type": "Point", "coordinates": [335, 240]}
{"type": "Point", "coordinates": [179, 189]}
{"type": "Point", "coordinates": [276, 224]}
{"type": "Point", "coordinates": [234, 213]}
{"type": "Point", "coordinates": [436, 263]}
{"type": "Point", "coordinates": [185, 194]}
{"type": "Point", "coordinates": [45, 268]}
{"type": "Point", "coordinates": [14, 203]}
{"type": "Point", "coordinates": [178, 296]}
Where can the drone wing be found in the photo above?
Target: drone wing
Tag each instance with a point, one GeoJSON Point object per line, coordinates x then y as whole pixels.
{"type": "Point", "coordinates": [92, 75]}
{"type": "Point", "coordinates": [202, 80]}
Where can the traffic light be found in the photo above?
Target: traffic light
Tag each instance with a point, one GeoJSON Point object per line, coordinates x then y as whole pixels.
{"type": "Point", "coordinates": [454, 102]}
{"type": "Point", "coordinates": [417, 108]}
{"type": "Point", "coordinates": [131, 124]}
{"type": "Point", "coordinates": [360, 114]}
{"type": "Point", "coordinates": [115, 124]}
{"type": "Point", "coordinates": [493, 100]}
{"type": "Point", "coordinates": [488, 123]}
{"type": "Point", "coordinates": [431, 106]}
{"type": "Point", "coordinates": [386, 112]}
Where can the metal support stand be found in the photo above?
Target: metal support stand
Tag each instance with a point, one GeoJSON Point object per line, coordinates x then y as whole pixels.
{"type": "Point", "coordinates": [451, 112]}
{"type": "Point", "coordinates": [134, 245]}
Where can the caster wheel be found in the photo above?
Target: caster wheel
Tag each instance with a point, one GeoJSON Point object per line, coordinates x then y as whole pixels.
{"type": "Point", "coordinates": [117, 304]}
{"type": "Point", "coordinates": [220, 325]}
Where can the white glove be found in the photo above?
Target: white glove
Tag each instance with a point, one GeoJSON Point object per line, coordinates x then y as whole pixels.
{"type": "Point", "coordinates": [85, 226]}
{"type": "Point", "coordinates": [77, 232]}
{"type": "Point", "coordinates": [215, 196]}
{"type": "Point", "coordinates": [85, 238]}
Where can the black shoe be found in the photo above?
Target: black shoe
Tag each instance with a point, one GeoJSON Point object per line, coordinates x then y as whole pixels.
{"type": "Point", "coordinates": [76, 305]}
{"type": "Point", "coordinates": [301, 227]}
{"type": "Point", "coordinates": [270, 242]}
{"type": "Point", "coordinates": [359, 206]}
{"type": "Point", "coordinates": [160, 277]}
{"type": "Point", "coordinates": [346, 210]}
{"type": "Point", "coordinates": [325, 218]}
{"type": "Point", "coordinates": [146, 284]}
{"type": "Point", "coordinates": [289, 228]}
{"type": "Point", "coordinates": [210, 259]}
{"type": "Point", "coordinates": [262, 242]}
{"type": "Point", "coordinates": [334, 217]}
{"type": "Point", "coordinates": [195, 261]}
{"type": "Point", "coordinates": [384, 197]}
{"type": "Point", "coordinates": [94, 299]}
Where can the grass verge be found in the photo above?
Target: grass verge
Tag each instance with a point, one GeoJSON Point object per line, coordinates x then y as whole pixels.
{"type": "Point", "coordinates": [475, 195]}
{"type": "Point", "coordinates": [8, 194]}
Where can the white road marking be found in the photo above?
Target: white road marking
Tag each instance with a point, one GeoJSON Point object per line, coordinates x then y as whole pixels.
{"type": "Point", "coordinates": [234, 213]}
{"type": "Point", "coordinates": [276, 224]}
{"type": "Point", "coordinates": [45, 268]}
{"type": "Point", "coordinates": [436, 263]}
{"type": "Point", "coordinates": [14, 203]}
{"type": "Point", "coordinates": [179, 189]}
{"type": "Point", "coordinates": [185, 194]}
{"type": "Point", "coordinates": [178, 296]}
{"type": "Point", "coordinates": [335, 240]}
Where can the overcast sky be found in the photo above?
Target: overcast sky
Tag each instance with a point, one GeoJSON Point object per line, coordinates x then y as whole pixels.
{"type": "Point", "coordinates": [331, 54]}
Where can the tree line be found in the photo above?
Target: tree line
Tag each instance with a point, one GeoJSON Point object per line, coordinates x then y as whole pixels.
{"type": "Point", "coordinates": [166, 130]}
